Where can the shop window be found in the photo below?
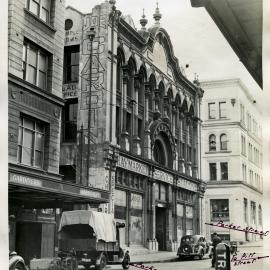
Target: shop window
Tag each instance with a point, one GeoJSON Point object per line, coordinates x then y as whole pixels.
{"type": "Point", "coordinates": [35, 65]}
{"type": "Point", "coordinates": [223, 142]}
{"type": "Point", "coordinates": [212, 142]}
{"type": "Point", "coordinates": [31, 139]}
{"type": "Point", "coordinates": [180, 220]}
{"type": "Point", "coordinates": [160, 191]}
{"type": "Point", "coordinates": [120, 209]}
{"type": "Point", "coordinates": [189, 220]}
{"type": "Point", "coordinates": [224, 170]}
{"type": "Point", "coordinates": [70, 124]}
{"type": "Point", "coordinates": [222, 110]}
{"type": "Point", "coordinates": [71, 64]}
{"type": "Point", "coordinates": [213, 171]}
{"type": "Point", "coordinates": [211, 111]}
{"type": "Point", "coordinates": [219, 209]}
{"type": "Point", "coordinates": [40, 8]}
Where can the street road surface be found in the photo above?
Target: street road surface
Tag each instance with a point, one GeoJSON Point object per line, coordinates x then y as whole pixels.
{"type": "Point", "coordinates": [205, 264]}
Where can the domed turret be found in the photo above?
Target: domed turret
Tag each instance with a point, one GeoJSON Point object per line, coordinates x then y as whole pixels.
{"type": "Point", "coordinates": [143, 21]}
{"type": "Point", "coordinates": [157, 15]}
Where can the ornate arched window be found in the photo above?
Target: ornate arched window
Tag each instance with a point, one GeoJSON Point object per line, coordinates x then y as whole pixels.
{"type": "Point", "coordinates": [212, 142]}
{"type": "Point", "coordinates": [159, 153]}
{"type": "Point", "coordinates": [132, 71]}
{"type": "Point", "coordinates": [223, 142]}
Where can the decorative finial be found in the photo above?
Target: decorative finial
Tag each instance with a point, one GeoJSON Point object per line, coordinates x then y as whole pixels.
{"type": "Point", "coordinates": [196, 79]}
{"type": "Point", "coordinates": [157, 15]}
{"type": "Point", "coordinates": [143, 21]}
{"type": "Point", "coordinates": [112, 2]}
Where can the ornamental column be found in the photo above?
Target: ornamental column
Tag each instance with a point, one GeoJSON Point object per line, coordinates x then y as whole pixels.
{"type": "Point", "coordinates": [124, 140]}
{"type": "Point", "coordinates": [147, 140]}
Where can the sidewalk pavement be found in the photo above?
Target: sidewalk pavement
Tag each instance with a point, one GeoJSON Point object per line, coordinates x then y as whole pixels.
{"type": "Point", "coordinates": [156, 257]}
{"type": "Point", "coordinates": [251, 244]}
{"type": "Point", "coordinates": [161, 256]}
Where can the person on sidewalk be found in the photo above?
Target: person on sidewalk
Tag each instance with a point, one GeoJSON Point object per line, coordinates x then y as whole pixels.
{"type": "Point", "coordinates": [216, 240]}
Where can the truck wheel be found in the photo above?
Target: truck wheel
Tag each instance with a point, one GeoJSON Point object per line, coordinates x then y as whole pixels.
{"type": "Point", "coordinates": [103, 262]}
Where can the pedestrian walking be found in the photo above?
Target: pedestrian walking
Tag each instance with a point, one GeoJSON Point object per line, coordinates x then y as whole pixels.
{"type": "Point", "coordinates": [216, 240]}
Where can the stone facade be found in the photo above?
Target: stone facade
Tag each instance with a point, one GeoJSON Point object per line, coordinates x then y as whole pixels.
{"type": "Point", "coordinates": [144, 126]}
{"type": "Point", "coordinates": [232, 146]}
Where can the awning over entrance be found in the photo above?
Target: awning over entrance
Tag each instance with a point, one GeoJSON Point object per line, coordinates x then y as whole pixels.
{"type": "Point", "coordinates": [36, 192]}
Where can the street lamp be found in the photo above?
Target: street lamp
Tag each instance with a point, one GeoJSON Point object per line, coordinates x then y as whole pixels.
{"type": "Point", "coordinates": [91, 33]}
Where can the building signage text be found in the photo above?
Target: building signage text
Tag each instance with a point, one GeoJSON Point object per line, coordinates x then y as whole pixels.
{"type": "Point", "coordinates": [162, 176]}
{"type": "Point", "coordinates": [24, 180]}
{"type": "Point", "coordinates": [89, 193]}
{"type": "Point", "coordinates": [132, 165]}
{"type": "Point", "coordinates": [70, 90]}
{"type": "Point", "coordinates": [182, 183]}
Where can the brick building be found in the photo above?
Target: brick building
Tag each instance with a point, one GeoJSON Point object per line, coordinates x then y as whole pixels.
{"type": "Point", "coordinates": [35, 71]}
{"type": "Point", "coordinates": [141, 143]}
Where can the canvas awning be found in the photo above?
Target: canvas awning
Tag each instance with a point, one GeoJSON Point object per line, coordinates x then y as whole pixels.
{"type": "Point", "coordinates": [103, 224]}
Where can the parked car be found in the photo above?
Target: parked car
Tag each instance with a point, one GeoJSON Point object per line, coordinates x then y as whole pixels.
{"type": "Point", "coordinates": [16, 262]}
{"type": "Point", "coordinates": [193, 246]}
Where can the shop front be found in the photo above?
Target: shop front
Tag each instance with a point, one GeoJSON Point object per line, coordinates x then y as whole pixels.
{"type": "Point", "coordinates": [157, 206]}
{"type": "Point", "coordinates": [35, 205]}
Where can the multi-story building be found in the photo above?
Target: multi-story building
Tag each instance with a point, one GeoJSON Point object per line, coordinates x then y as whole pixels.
{"type": "Point", "coordinates": [232, 158]}
{"type": "Point", "coordinates": [135, 123]}
{"type": "Point", "coordinates": [36, 190]}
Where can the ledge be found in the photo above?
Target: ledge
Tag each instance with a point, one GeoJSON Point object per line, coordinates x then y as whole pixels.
{"type": "Point", "coordinates": [39, 20]}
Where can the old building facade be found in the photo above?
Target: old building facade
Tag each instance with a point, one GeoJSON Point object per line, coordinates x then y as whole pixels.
{"type": "Point", "coordinates": [232, 158]}
{"type": "Point", "coordinates": [141, 141]}
{"type": "Point", "coordinates": [35, 71]}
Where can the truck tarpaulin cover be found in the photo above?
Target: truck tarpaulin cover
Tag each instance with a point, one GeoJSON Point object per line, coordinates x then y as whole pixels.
{"type": "Point", "coordinates": [103, 224]}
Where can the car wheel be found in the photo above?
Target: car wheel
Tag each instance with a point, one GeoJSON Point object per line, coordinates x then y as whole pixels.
{"type": "Point", "coordinates": [19, 266]}
{"type": "Point", "coordinates": [180, 258]}
{"type": "Point", "coordinates": [103, 262]}
{"type": "Point", "coordinates": [201, 255]}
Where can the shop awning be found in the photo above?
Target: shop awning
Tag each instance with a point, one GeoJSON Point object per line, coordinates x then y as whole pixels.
{"type": "Point", "coordinates": [34, 191]}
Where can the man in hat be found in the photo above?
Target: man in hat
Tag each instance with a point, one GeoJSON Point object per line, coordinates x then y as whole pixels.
{"type": "Point", "coordinates": [216, 240]}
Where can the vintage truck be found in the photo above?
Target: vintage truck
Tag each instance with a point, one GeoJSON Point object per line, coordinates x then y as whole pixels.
{"type": "Point", "coordinates": [87, 240]}
{"type": "Point", "coordinates": [91, 237]}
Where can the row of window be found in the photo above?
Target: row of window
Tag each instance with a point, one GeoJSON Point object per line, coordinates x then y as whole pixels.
{"type": "Point", "coordinates": [254, 154]}
{"type": "Point", "coordinates": [213, 113]}
{"type": "Point", "coordinates": [253, 178]}
{"type": "Point", "coordinates": [223, 171]}
{"type": "Point", "coordinates": [252, 124]}
{"type": "Point", "coordinates": [222, 140]}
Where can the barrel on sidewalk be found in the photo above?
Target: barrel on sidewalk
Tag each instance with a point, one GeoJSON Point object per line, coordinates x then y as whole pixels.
{"type": "Point", "coordinates": [223, 259]}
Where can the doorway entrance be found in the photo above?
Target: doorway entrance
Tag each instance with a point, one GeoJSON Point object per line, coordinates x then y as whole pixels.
{"type": "Point", "coordinates": [28, 240]}
{"type": "Point", "coordinates": [161, 227]}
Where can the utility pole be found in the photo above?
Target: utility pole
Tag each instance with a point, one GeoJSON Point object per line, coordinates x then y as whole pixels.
{"type": "Point", "coordinates": [91, 33]}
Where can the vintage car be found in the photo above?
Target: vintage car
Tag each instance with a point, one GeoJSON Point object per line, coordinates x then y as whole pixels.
{"type": "Point", "coordinates": [193, 246]}
{"type": "Point", "coordinates": [91, 237]}
{"type": "Point", "coordinates": [16, 262]}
